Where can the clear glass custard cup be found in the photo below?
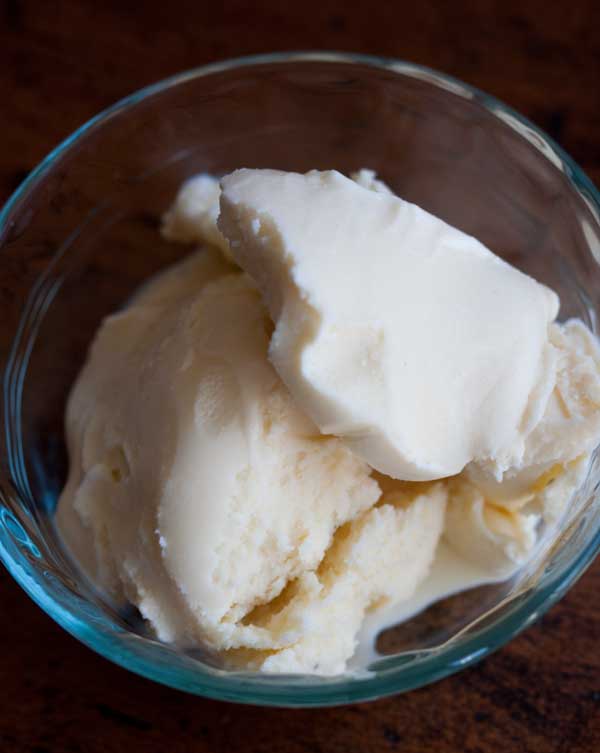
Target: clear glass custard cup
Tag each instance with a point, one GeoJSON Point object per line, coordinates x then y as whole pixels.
{"type": "Point", "coordinates": [81, 234]}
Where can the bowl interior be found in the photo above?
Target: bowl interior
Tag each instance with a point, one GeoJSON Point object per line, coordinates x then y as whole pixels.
{"type": "Point", "coordinates": [83, 234]}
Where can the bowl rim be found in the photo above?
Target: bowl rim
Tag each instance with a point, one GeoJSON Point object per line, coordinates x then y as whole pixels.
{"type": "Point", "coordinates": [278, 690]}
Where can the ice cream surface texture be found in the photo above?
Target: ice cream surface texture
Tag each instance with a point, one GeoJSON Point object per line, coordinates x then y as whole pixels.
{"type": "Point", "coordinates": [230, 430]}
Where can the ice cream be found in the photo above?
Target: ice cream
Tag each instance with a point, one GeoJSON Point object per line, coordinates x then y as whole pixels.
{"type": "Point", "coordinates": [227, 431]}
{"type": "Point", "coordinates": [394, 331]}
{"type": "Point", "coordinates": [203, 493]}
{"type": "Point", "coordinates": [569, 427]}
{"type": "Point", "coordinates": [193, 216]}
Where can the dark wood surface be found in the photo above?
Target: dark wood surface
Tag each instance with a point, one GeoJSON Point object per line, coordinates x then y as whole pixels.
{"type": "Point", "coordinates": [61, 62]}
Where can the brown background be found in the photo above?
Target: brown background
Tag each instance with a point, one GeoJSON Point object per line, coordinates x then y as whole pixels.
{"type": "Point", "coordinates": [61, 62]}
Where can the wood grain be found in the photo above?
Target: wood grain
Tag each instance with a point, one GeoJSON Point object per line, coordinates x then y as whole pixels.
{"type": "Point", "coordinates": [61, 62]}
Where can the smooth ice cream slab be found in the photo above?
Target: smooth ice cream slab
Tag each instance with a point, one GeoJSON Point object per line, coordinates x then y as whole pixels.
{"type": "Point", "coordinates": [394, 331]}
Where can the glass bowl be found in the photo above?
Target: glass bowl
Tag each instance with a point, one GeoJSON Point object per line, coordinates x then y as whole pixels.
{"type": "Point", "coordinates": [81, 234]}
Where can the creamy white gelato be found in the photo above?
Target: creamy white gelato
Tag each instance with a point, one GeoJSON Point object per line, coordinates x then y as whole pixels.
{"type": "Point", "coordinates": [394, 331]}
{"type": "Point", "coordinates": [193, 216]}
{"type": "Point", "coordinates": [219, 446]}
{"type": "Point", "coordinates": [206, 498]}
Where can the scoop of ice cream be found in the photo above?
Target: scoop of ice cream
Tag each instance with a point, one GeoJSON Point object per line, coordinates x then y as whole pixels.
{"type": "Point", "coordinates": [567, 431]}
{"type": "Point", "coordinates": [193, 216]}
{"type": "Point", "coordinates": [379, 558]}
{"type": "Point", "coordinates": [187, 450]}
{"type": "Point", "coordinates": [394, 331]}
{"type": "Point", "coordinates": [495, 520]}
{"type": "Point", "coordinates": [203, 493]}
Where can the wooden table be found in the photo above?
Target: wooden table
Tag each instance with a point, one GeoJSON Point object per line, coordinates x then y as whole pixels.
{"type": "Point", "coordinates": [60, 63]}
